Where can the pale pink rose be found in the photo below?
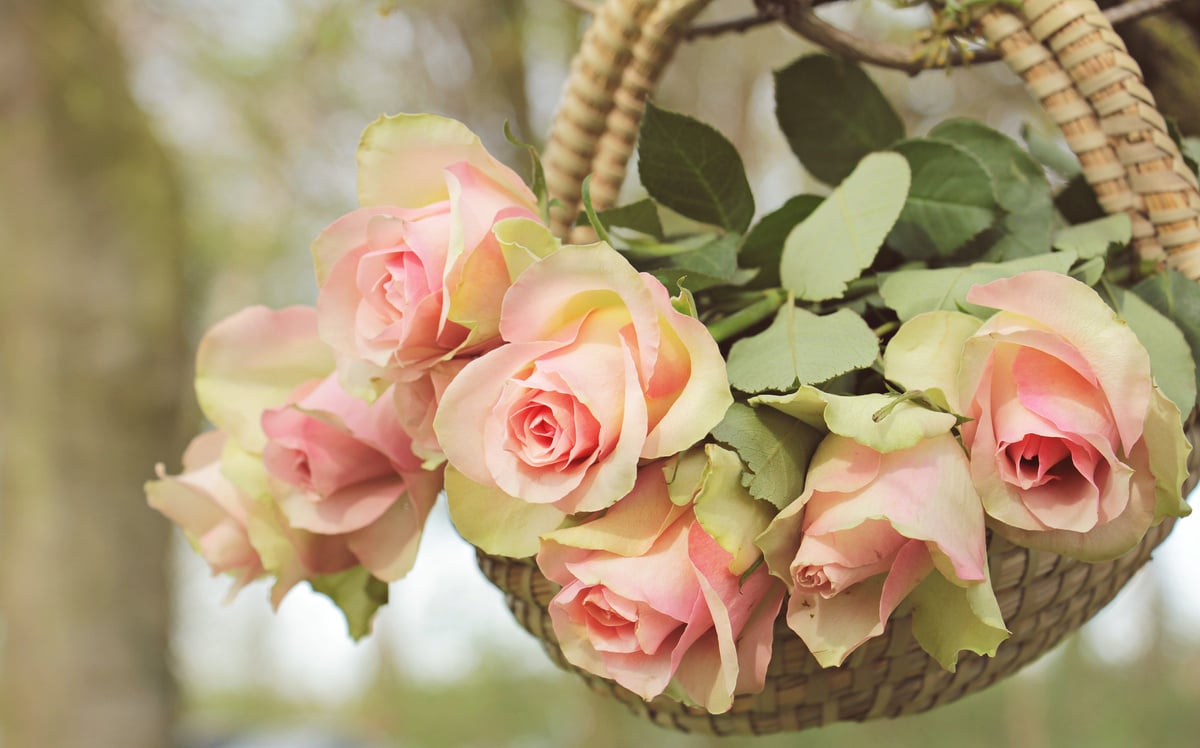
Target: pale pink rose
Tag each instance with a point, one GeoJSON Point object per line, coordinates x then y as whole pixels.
{"type": "Point", "coordinates": [416, 275]}
{"type": "Point", "coordinates": [868, 529]}
{"type": "Point", "coordinates": [648, 596]}
{"type": "Point", "coordinates": [212, 512]}
{"type": "Point", "coordinates": [352, 472]}
{"type": "Point", "coordinates": [599, 373]}
{"type": "Point", "coordinates": [1068, 434]}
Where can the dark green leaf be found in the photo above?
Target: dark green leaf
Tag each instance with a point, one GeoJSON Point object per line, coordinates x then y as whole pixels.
{"type": "Point", "coordinates": [640, 216]}
{"type": "Point", "coordinates": [1077, 202]}
{"type": "Point", "coordinates": [775, 447]}
{"type": "Point", "coordinates": [692, 169]}
{"type": "Point", "coordinates": [950, 201]}
{"type": "Point", "coordinates": [832, 114]}
{"type": "Point", "coordinates": [1191, 153]}
{"type": "Point", "coordinates": [1020, 186]}
{"type": "Point", "coordinates": [538, 181]}
{"type": "Point", "coordinates": [763, 246]}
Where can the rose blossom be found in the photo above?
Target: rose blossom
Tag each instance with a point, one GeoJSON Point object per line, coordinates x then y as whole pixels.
{"type": "Point", "coordinates": [649, 596]}
{"type": "Point", "coordinates": [599, 372]}
{"type": "Point", "coordinates": [869, 529]}
{"type": "Point", "coordinates": [212, 511]}
{"type": "Point", "coordinates": [416, 274]}
{"type": "Point", "coordinates": [1073, 448]}
{"type": "Point", "coordinates": [355, 472]}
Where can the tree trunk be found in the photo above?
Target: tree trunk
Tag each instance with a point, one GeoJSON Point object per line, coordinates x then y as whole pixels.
{"type": "Point", "coordinates": [91, 357]}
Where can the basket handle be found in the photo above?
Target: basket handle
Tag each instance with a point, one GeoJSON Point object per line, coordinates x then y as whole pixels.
{"type": "Point", "coordinates": [1066, 51]}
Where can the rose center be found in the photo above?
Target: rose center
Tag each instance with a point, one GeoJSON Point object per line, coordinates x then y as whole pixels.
{"type": "Point", "coordinates": [1037, 460]}
{"type": "Point", "coordinates": [552, 429]}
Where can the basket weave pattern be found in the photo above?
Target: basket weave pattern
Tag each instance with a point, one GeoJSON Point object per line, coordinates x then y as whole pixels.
{"type": "Point", "coordinates": [1076, 66]}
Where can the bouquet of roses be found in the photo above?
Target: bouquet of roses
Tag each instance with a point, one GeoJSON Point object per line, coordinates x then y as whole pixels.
{"type": "Point", "coordinates": [700, 417]}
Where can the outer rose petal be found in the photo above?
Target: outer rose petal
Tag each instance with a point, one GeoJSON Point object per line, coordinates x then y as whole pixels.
{"type": "Point", "coordinates": [1071, 309]}
{"type": "Point", "coordinates": [401, 161]}
{"type": "Point", "coordinates": [252, 361]}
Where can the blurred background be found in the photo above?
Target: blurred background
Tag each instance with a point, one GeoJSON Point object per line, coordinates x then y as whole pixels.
{"type": "Point", "coordinates": [164, 163]}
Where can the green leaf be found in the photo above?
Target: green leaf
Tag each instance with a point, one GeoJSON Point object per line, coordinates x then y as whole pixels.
{"type": "Point", "coordinates": [858, 417]}
{"type": "Point", "coordinates": [950, 202]}
{"type": "Point", "coordinates": [1177, 297]}
{"type": "Point", "coordinates": [1020, 185]}
{"type": "Point", "coordinates": [763, 246]}
{"type": "Point", "coordinates": [641, 216]}
{"type": "Point", "coordinates": [1170, 356]}
{"type": "Point", "coordinates": [692, 169]}
{"type": "Point", "coordinates": [1089, 271]}
{"type": "Point", "coordinates": [728, 512]}
{"type": "Point", "coordinates": [801, 348]}
{"type": "Point", "coordinates": [842, 236]}
{"type": "Point", "coordinates": [911, 292]}
{"type": "Point", "coordinates": [775, 447]}
{"type": "Point", "coordinates": [1059, 160]}
{"type": "Point", "coordinates": [832, 115]}
{"type": "Point", "coordinates": [948, 619]}
{"type": "Point", "coordinates": [495, 522]}
{"type": "Point", "coordinates": [357, 594]}
{"type": "Point", "coordinates": [1094, 238]}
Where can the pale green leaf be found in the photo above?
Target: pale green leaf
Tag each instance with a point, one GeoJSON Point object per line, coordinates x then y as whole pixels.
{"type": "Point", "coordinates": [842, 236]}
{"type": "Point", "coordinates": [762, 249]}
{"type": "Point", "coordinates": [358, 594]}
{"type": "Point", "coordinates": [1089, 272]}
{"type": "Point", "coordinates": [495, 522]}
{"type": "Point", "coordinates": [832, 115]}
{"type": "Point", "coordinates": [727, 511]}
{"type": "Point", "coordinates": [1057, 157]}
{"type": "Point", "coordinates": [692, 169]}
{"type": "Point", "coordinates": [775, 447]}
{"type": "Point", "coordinates": [951, 199]}
{"type": "Point", "coordinates": [801, 348]}
{"type": "Point", "coordinates": [911, 292]}
{"type": "Point", "coordinates": [1093, 239]}
{"type": "Point", "coordinates": [855, 417]}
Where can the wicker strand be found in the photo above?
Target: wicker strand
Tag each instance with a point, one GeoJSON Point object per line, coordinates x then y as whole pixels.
{"type": "Point", "coordinates": [1054, 89]}
{"type": "Point", "coordinates": [1098, 63]}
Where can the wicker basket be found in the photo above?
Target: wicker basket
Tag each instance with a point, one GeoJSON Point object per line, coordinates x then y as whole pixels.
{"type": "Point", "coordinates": [1076, 66]}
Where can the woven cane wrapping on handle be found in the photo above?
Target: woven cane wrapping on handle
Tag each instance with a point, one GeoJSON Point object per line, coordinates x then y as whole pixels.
{"type": "Point", "coordinates": [621, 58]}
{"type": "Point", "coordinates": [1077, 68]}
{"type": "Point", "coordinates": [1076, 65]}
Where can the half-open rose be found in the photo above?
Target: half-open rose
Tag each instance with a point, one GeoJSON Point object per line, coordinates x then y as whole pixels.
{"type": "Point", "coordinates": [872, 529]}
{"type": "Point", "coordinates": [650, 596]}
{"type": "Point", "coordinates": [1073, 448]}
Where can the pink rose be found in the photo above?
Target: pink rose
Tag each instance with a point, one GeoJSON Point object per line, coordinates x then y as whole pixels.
{"type": "Point", "coordinates": [648, 596]}
{"type": "Point", "coordinates": [599, 373]}
{"type": "Point", "coordinates": [868, 530]}
{"type": "Point", "coordinates": [212, 512]}
{"type": "Point", "coordinates": [352, 472]}
{"type": "Point", "coordinates": [416, 404]}
{"type": "Point", "coordinates": [1073, 448]}
{"type": "Point", "coordinates": [416, 275]}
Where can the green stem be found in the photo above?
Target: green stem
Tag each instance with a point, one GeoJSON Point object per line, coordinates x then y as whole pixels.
{"type": "Point", "coordinates": [885, 328]}
{"type": "Point", "coordinates": [748, 316]}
